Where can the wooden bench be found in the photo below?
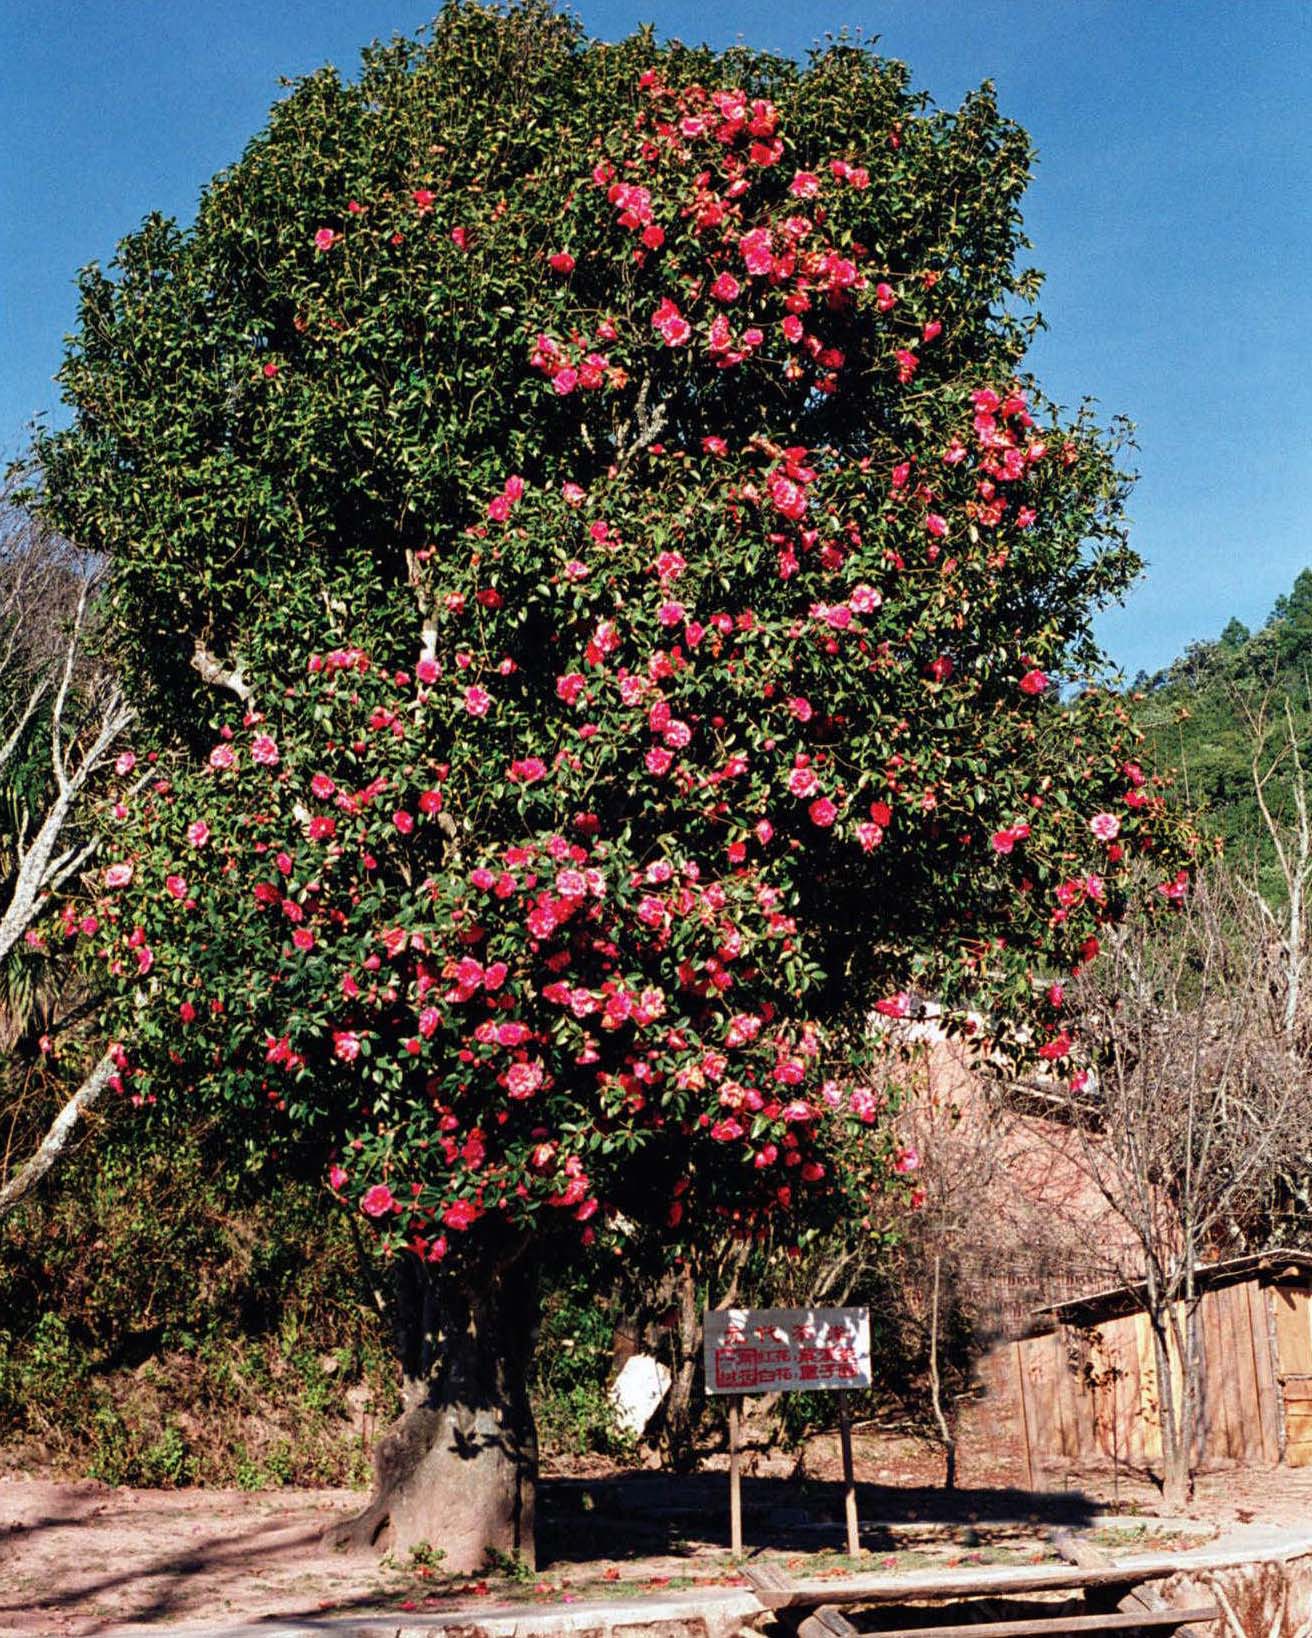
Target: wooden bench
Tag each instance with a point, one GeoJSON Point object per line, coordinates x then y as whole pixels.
{"type": "Point", "coordinates": [810, 1609]}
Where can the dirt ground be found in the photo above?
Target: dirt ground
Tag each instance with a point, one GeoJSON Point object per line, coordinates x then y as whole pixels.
{"type": "Point", "coordinates": [83, 1558]}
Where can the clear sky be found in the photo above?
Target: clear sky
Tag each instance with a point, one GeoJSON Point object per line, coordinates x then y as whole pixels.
{"type": "Point", "coordinates": [1172, 213]}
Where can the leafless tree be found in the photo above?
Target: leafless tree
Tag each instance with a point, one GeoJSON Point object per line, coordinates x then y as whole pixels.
{"type": "Point", "coordinates": [1195, 1101]}
{"type": "Point", "coordinates": [62, 715]}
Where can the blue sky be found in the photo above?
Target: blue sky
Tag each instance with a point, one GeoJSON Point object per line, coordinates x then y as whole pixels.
{"type": "Point", "coordinates": [1172, 213]}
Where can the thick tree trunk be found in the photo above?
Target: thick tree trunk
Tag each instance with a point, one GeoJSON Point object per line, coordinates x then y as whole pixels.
{"type": "Point", "coordinates": [680, 1408]}
{"type": "Point", "coordinates": [458, 1469]}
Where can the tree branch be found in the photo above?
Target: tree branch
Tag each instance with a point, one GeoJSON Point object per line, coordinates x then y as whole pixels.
{"type": "Point", "coordinates": [58, 1137]}
{"type": "Point", "coordinates": [218, 675]}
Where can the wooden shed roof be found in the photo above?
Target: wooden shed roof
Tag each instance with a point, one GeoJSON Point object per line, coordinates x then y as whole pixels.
{"type": "Point", "coordinates": [1127, 1299]}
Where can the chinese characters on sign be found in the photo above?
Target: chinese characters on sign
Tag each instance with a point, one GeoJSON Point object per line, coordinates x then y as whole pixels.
{"type": "Point", "coordinates": [786, 1350]}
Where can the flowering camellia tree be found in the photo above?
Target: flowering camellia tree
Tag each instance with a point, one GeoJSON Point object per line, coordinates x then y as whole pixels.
{"type": "Point", "coordinates": [601, 589]}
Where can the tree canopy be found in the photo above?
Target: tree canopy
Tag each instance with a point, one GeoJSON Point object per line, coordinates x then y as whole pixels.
{"type": "Point", "coordinates": [601, 483]}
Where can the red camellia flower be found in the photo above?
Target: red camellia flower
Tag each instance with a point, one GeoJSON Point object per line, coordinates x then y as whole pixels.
{"type": "Point", "coordinates": [377, 1201]}
{"type": "Point", "coordinates": [561, 262]}
{"type": "Point", "coordinates": [1033, 682]}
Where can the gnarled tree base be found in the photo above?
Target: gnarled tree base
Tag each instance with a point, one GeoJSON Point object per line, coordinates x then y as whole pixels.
{"type": "Point", "coordinates": [458, 1470]}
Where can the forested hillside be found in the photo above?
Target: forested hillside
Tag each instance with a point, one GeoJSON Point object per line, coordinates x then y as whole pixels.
{"type": "Point", "coordinates": [1221, 715]}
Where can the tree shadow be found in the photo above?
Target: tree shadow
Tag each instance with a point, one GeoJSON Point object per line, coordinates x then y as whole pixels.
{"type": "Point", "coordinates": [162, 1581]}
{"type": "Point", "coordinates": [635, 1515]}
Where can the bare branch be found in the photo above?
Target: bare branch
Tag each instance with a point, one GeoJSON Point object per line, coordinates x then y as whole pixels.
{"type": "Point", "coordinates": [218, 675]}
{"type": "Point", "coordinates": [58, 1137]}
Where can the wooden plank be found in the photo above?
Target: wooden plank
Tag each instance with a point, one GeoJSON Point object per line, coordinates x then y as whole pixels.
{"type": "Point", "coordinates": [827, 1622]}
{"type": "Point", "coordinates": [1070, 1402]}
{"type": "Point", "coordinates": [932, 1587]}
{"type": "Point", "coordinates": [1298, 1389]}
{"type": "Point", "coordinates": [767, 1581]}
{"type": "Point", "coordinates": [1123, 1621]}
{"type": "Point", "coordinates": [1237, 1411]}
{"type": "Point", "coordinates": [1149, 1409]}
{"type": "Point", "coordinates": [1264, 1370]}
{"type": "Point", "coordinates": [1250, 1425]}
{"type": "Point", "coordinates": [1129, 1407]}
{"type": "Point", "coordinates": [1293, 1330]}
{"type": "Point", "coordinates": [1213, 1419]}
{"type": "Point", "coordinates": [1036, 1398]}
{"type": "Point", "coordinates": [1023, 1412]}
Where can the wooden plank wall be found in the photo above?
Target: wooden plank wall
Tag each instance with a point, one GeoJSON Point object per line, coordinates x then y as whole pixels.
{"type": "Point", "coordinates": [1293, 1313]}
{"type": "Point", "coordinates": [1087, 1397]}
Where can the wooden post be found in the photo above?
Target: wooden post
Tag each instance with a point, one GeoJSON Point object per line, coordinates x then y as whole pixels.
{"type": "Point", "coordinates": [735, 1479]}
{"type": "Point", "coordinates": [849, 1476]}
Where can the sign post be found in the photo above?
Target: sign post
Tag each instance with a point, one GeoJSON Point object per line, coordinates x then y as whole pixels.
{"type": "Point", "coordinates": [787, 1350]}
{"type": "Point", "coordinates": [849, 1476]}
{"type": "Point", "coordinates": [735, 1476]}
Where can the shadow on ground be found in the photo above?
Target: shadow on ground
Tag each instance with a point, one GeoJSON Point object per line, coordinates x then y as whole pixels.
{"type": "Point", "coordinates": [639, 1515]}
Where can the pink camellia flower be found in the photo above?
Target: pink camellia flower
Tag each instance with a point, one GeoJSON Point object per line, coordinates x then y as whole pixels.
{"type": "Point", "coordinates": [885, 297]}
{"type": "Point", "coordinates": [118, 875]}
{"type": "Point", "coordinates": [802, 782]}
{"type": "Point", "coordinates": [303, 939]}
{"type": "Point", "coordinates": [1105, 826]}
{"type": "Point", "coordinates": [869, 836]}
{"type": "Point", "coordinates": [460, 1215]}
{"type": "Point", "coordinates": [895, 1006]}
{"type": "Point", "coordinates": [528, 770]}
{"type": "Point", "coordinates": [198, 833]}
{"type": "Point", "coordinates": [322, 786]}
{"type": "Point", "coordinates": [823, 812]}
{"type": "Point", "coordinates": [125, 763]}
{"type": "Point", "coordinates": [428, 671]}
{"type": "Point", "coordinates": [561, 262]}
{"type": "Point", "coordinates": [936, 525]}
{"type": "Point", "coordinates": [907, 1160]}
{"type": "Point", "coordinates": [658, 760]}
{"type": "Point", "coordinates": [1033, 682]}
{"type": "Point", "coordinates": [264, 751]}
{"type": "Point", "coordinates": [423, 198]}
{"type": "Point", "coordinates": [337, 1178]}
{"type": "Point", "coordinates": [404, 822]}
{"type": "Point", "coordinates": [377, 1201]}
{"type": "Point", "coordinates": [805, 185]}
{"type": "Point", "coordinates": [572, 494]}
{"type": "Point", "coordinates": [460, 238]}
{"type": "Point", "coordinates": [940, 669]}
{"type": "Point", "coordinates": [523, 1080]}
{"type": "Point", "coordinates": [346, 1045]}
{"type": "Point", "coordinates": [726, 288]}
{"type": "Point", "coordinates": [177, 886]}
{"type": "Point", "coordinates": [498, 508]}
{"type": "Point", "coordinates": [565, 380]}
{"type": "Point", "coordinates": [223, 756]}
{"type": "Point", "coordinates": [325, 239]}
{"type": "Point", "coordinates": [571, 884]}
{"type": "Point", "coordinates": [477, 701]}
{"type": "Point", "coordinates": [145, 960]}
{"type": "Point", "coordinates": [673, 327]}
